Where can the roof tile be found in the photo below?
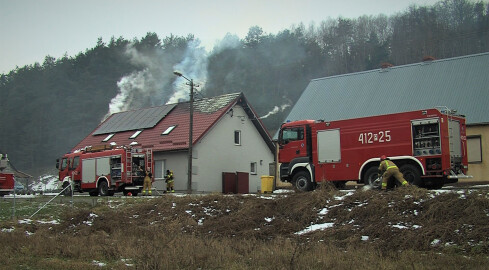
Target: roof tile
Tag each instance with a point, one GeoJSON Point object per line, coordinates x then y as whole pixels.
{"type": "Point", "coordinates": [207, 112]}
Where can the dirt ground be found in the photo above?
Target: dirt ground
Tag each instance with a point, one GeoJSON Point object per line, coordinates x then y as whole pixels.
{"type": "Point", "coordinates": [405, 218]}
{"type": "Point", "coordinates": [298, 227]}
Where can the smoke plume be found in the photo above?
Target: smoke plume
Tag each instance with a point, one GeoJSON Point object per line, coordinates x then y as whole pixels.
{"type": "Point", "coordinates": [145, 87]}
{"type": "Point", "coordinates": [193, 67]}
{"type": "Point", "coordinates": [276, 110]}
{"type": "Point", "coordinates": [155, 84]}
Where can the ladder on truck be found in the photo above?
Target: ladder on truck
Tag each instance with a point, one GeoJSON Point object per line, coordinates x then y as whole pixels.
{"type": "Point", "coordinates": [129, 166]}
{"type": "Point", "coordinates": [149, 159]}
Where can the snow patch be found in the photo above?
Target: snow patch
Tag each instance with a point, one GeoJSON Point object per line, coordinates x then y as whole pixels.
{"type": "Point", "coordinates": [315, 227]}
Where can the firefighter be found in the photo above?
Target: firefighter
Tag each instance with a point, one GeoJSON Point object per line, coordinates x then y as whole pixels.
{"type": "Point", "coordinates": [169, 181]}
{"type": "Point", "coordinates": [388, 169]}
{"type": "Point", "coordinates": [147, 183]}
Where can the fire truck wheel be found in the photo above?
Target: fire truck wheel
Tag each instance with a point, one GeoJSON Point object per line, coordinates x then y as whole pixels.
{"type": "Point", "coordinates": [103, 188]}
{"type": "Point", "coordinates": [411, 174]}
{"type": "Point", "coordinates": [370, 177]}
{"type": "Point", "coordinates": [301, 181]}
{"type": "Point", "coordinates": [67, 191]}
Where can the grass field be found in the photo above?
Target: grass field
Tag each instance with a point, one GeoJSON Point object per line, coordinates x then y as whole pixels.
{"type": "Point", "coordinates": [408, 228]}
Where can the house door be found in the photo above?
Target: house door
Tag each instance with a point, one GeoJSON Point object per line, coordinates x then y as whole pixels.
{"type": "Point", "coordinates": [237, 182]}
{"type": "Point", "coordinates": [228, 182]}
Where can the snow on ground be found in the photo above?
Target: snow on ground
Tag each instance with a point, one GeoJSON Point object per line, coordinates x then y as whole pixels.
{"type": "Point", "coordinates": [49, 183]}
{"type": "Point", "coordinates": [46, 183]}
{"type": "Point", "coordinates": [315, 227]}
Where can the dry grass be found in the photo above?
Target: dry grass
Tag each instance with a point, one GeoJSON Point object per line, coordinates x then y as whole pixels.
{"type": "Point", "coordinates": [408, 228]}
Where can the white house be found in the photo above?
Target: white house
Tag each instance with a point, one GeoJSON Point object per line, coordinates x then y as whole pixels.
{"type": "Point", "coordinates": [228, 138]}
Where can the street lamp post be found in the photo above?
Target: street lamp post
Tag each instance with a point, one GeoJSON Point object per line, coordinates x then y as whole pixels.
{"type": "Point", "coordinates": [190, 132]}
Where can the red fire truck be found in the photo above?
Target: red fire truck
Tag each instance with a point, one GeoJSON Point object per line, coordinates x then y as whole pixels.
{"type": "Point", "coordinates": [7, 180]}
{"type": "Point", "coordinates": [429, 147]}
{"type": "Point", "coordinates": [104, 171]}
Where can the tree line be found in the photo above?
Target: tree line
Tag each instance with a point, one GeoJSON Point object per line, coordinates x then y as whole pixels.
{"type": "Point", "coordinates": [45, 109]}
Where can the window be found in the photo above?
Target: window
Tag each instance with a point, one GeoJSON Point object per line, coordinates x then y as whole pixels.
{"type": "Point", "coordinates": [237, 137]}
{"type": "Point", "coordinates": [159, 169]}
{"type": "Point", "coordinates": [292, 134]}
{"type": "Point", "coordinates": [74, 163]}
{"type": "Point", "coordinates": [64, 164]}
{"type": "Point", "coordinates": [253, 168]}
{"type": "Point", "coordinates": [474, 149]}
{"type": "Point", "coordinates": [168, 130]}
{"type": "Point", "coordinates": [108, 137]}
{"type": "Point", "coordinates": [135, 134]}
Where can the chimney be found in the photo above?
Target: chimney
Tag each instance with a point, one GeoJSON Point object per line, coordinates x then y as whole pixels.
{"type": "Point", "coordinates": [386, 65]}
{"type": "Point", "coordinates": [428, 58]}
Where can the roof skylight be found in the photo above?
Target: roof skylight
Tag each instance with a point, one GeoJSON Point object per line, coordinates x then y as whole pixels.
{"type": "Point", "coordinates": [168, 130]}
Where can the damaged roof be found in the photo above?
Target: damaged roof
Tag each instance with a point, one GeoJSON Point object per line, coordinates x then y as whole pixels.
{"type": "Point", "coordinates": [171, 131]}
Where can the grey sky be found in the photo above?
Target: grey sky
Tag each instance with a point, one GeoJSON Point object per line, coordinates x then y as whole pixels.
{"type": "Point", "coordinates": [32, 29]}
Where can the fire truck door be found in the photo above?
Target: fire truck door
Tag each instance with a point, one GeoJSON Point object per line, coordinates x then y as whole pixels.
{"type": "Point", "coordinates": [293, 143]}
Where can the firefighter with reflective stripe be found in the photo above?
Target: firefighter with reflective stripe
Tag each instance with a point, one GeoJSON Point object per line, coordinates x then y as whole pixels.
{"type": "Point", "coordinates": [147, 183]}
{"type": "Point", "coordinates": [169, 181]}
{"type": "Point", "coordinates": [388, 169]}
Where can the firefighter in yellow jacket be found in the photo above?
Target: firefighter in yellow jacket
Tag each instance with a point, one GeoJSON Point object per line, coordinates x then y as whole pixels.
{"type": "Point", "coordinates": [147, 183]}
{"type": "Point", "coordinates": [169, 181]}
{"type": "Point", "coordinates": [388, 169]}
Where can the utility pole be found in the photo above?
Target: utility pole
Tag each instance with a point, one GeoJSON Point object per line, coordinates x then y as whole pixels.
{"type": "Point", "coordinates": [190, 137]}
{"type": "Point", "coordinates": [191, 127]}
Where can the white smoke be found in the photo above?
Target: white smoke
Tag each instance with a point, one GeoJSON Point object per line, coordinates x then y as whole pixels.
{"type": "Point", "coordinates": [276, 110]}
{"type": "Point", "coordinates": [145, 87]}
{"type": "Point", "coordinates": [193, 67]}
{"type": "Point", "coordinates": [127, 86]}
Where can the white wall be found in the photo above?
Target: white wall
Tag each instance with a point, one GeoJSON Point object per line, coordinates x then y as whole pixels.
{"type": "Point", "coordinates": [177, 162]}
{"type": "Point", "coordinates": [217, 153]}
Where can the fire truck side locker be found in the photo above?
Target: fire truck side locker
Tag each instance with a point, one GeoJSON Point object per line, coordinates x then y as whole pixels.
{"type": "Point", "coordinates": [88, 170]}
{"type": "Point", "coordinates": [329, 148]}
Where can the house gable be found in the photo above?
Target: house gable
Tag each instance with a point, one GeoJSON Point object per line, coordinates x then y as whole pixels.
{"type": "Point", "coordinates": [218, 152]}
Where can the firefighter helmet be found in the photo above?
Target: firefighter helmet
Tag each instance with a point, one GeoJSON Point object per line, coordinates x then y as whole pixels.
{"type": "Point", "coordinates": [383, 157]}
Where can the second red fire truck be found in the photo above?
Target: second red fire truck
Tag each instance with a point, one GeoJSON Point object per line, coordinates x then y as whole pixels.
{"type": "Point", "coordinates": [7, 180]}
{"type": "Point", "coordinates": [429, 147]}
{"type": "Point", "coordinates": [104, 171]}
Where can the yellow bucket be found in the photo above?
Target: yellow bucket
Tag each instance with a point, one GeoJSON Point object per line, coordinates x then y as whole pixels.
{"type": "Point", "coordinates": [266, 184]}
